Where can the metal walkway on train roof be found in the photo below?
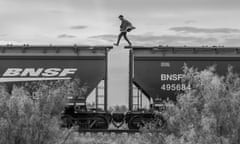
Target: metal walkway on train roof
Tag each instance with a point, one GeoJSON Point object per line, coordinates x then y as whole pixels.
{"type": "Point", "coordinates": [53, 50]}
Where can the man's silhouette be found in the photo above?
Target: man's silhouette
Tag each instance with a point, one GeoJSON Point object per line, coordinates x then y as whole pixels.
{"type": "Point", "coordinates": [125, 27]}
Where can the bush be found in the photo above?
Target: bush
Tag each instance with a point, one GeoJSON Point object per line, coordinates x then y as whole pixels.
{"type": "Point", "coordinates": [208, 113]}
{"type": "Point", "coordinates": [30, 113]}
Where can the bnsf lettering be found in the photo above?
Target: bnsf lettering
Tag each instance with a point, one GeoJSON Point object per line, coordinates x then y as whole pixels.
{"type": "Point", "coordinates": [49, 72]}
{"type": "Point", "coordinates": [171, 77]}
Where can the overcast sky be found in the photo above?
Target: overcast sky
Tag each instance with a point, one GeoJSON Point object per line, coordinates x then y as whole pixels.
{"type": "Point", "coordinates": [95, 22]}
{"type": "Point", "coordinates": [158, 22]}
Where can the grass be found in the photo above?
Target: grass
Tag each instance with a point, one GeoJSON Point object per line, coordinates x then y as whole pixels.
{"type": "Point", "coordinates": [106, 138]}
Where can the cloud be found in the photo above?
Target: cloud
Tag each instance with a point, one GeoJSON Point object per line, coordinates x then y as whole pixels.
{"type": "Point", "coordinates": [66, 36]}
{"type": "Point", "coordinates": [3, 35]}
{"type": "Point", "coordinates": [162, 39]}
{"type": "Point", "coordinates": [189, 21]}
{"type": "Point", "coordinates": [204, 30]}
{"type": "Point", "coordinates": [4, 42]}
{"type": "Point", "coordinates": [107, 37]}
{"type": "Point", "coordinates": [232, 42]}
{"type": "Point", "coordinates": [79, 27]}
{"type": "Point", "coordinates": [56, 11]}
{"type": "Point", "coordinates": [175, 40]}
{"type": "Point", "coordinates": [176, 5]}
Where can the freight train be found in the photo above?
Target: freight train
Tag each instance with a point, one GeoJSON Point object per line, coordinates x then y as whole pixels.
{"type": "Point", "coordinates": [50, 63]}
{"type": "Point", "coordinates": [156, 73]}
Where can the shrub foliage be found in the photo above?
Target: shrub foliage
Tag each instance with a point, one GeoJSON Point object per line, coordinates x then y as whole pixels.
{"type": "Point", "coordinates": [208, 113]}
{"type": "Point", "coordinates": [30, 112]}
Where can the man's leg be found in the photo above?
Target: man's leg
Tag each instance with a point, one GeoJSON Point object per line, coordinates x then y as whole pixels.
{"type": "Point", "coordinates": [125, 37]}
{"type": "Point", "coordinates": [119, 38]}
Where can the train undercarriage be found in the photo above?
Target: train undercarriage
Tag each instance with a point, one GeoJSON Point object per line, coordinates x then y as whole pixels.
{"type": "Point", "coordinates": [91, 120]}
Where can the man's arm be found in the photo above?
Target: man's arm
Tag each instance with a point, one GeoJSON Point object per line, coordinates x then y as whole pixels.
{"type": "Point", "coordinates": [125, 25]}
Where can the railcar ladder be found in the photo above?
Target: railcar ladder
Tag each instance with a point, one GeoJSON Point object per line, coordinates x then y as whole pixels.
{"type": "Point", "coordinates": [100, 97]}
{"type": "Point", "coordinates": [137, 98]}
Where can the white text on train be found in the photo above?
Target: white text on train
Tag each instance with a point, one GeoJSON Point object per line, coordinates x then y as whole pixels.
{"type": "Point", "coordinates": [171, 77]}
{"type": "Point", "coordinates": [32, 72]}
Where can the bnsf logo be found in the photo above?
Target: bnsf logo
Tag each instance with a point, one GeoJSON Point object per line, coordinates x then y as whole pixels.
{"type": "Point", "coordinates": [39, 72]}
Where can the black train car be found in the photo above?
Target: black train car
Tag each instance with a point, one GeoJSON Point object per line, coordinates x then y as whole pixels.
{"type": "Point", "coordinates": [88, 64]}
{"type": "Point", "coordinates": [157, 72]}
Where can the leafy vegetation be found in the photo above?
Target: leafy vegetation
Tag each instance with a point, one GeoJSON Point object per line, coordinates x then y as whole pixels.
{"type": "Point", "coordinates": [118, 108]}
{"type": "Point", "coordinates": [32, 116]}
{"type": "Point", "coordinates": [208, 113]}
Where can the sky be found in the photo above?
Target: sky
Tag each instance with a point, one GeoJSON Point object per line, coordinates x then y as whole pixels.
{"type": "Point", "coordinates": [95, 22]}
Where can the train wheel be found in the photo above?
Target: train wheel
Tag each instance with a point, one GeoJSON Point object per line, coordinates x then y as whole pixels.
{"type": "Point", "coordinates": [100, 122]}
{"type": "Point", "coordinates": [135, 122]}
{"type": "Point", "coordinates": [83, 124]}
{"type": "Point", "coordinates": [67, 121]}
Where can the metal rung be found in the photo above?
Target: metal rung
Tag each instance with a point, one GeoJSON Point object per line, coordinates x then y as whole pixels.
{"type": "Point", "coordinates": [101, 96]}
{"type": "Point", "coordinates": [100, 104]}
{"type": "Point", "coordinates": [101, 87]}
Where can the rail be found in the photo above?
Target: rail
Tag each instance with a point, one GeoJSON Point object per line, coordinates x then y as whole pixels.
{"type": "Point", "coordinates": [52, 50]}
{"type": "Point", "coordinates": [186, 49]}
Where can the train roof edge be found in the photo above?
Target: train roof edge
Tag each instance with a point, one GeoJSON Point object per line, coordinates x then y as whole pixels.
{"type": "Point", "coordinates": [183, 51]}
{"type": "Point", "coordinates": [50, 45]}
{"type": "Point", "coordinates": [53, 50]}
{"type": "Point", "coordinates": [176, 47]}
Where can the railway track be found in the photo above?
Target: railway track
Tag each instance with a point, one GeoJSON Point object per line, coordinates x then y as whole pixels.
{"type": "Point", "coordinates": [108, 131]}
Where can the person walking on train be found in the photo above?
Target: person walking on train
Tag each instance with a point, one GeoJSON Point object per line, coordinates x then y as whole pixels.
{"type": "Point", "coordinates": [125, 27]}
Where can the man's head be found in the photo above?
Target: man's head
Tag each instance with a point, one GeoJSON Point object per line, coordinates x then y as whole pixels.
{"type": "Point", "coordinates": [120, 17]}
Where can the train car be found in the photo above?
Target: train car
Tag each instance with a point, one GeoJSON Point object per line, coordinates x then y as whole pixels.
{"type": "Point", "coordinates": [158, 71]}
{"type": "Point", "coordinates": [85, 64]}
